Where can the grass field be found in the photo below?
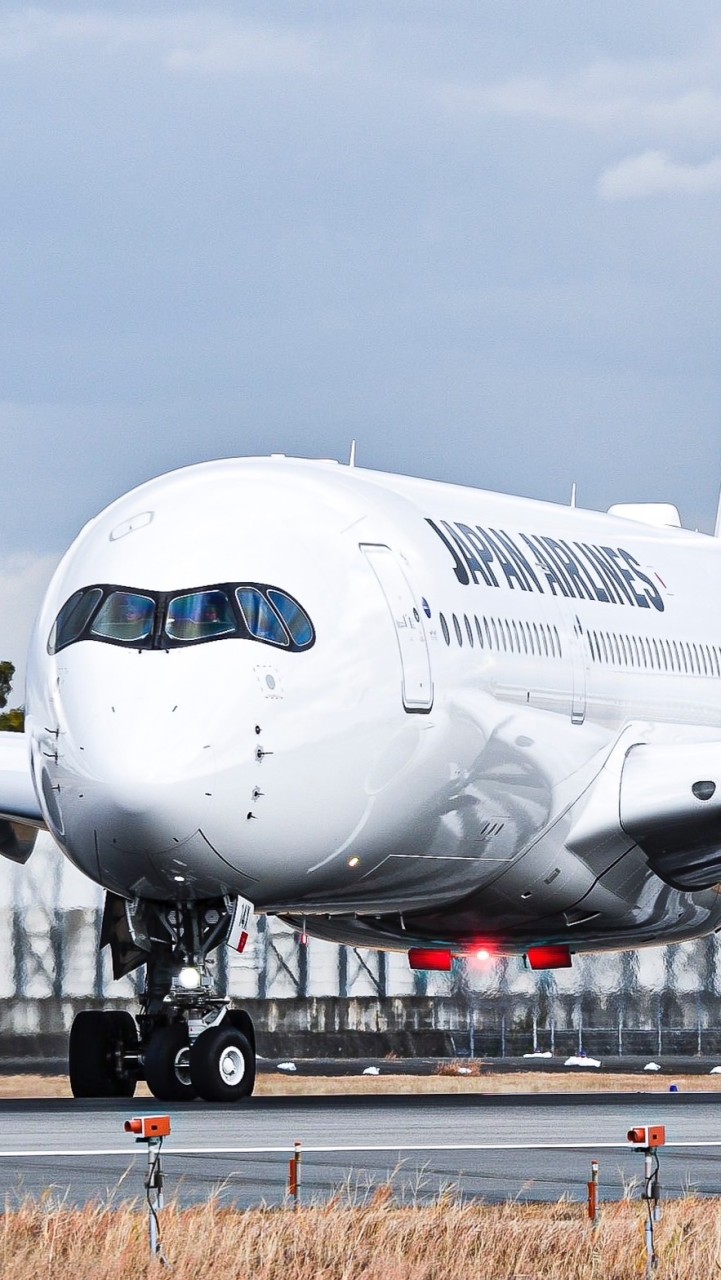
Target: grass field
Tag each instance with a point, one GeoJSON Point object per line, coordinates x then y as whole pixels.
{"type": "Point", "coordinates": [374, 1241]}
{"type": "Point", "coordinates": [447, 1080]}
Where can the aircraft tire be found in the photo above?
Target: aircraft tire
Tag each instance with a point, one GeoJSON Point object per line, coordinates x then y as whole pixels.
{"type": "Point", "coordinates": [95, 1039]}
{"type": "Point", "coordinates": [222, 1064]}
{"type": "Point", "coordinates": [167, 1071]}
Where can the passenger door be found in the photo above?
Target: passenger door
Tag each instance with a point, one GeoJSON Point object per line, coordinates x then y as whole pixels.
{"type": "Point", "coordinates": [417, 684]}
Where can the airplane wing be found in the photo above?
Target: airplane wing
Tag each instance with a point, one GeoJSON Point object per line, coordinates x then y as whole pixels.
{"type": "Point", "coordinates": [20, 813]}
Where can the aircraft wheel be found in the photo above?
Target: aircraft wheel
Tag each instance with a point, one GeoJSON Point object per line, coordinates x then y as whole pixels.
{"type": "Point", "coordinates": [222, 1064]}
{"type": "Point", "coordinates": [167, 1069]}
{"type": "Point", "coordinates": [98, 1044]}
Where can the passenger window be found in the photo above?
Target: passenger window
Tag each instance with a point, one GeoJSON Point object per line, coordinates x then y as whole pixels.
{"type": "Point", "coordinates": [479, 633]}
{"type": "Point", "coordinates": [259, 618]}
{"type": "Point", "coordinates": [444, 629]}
{"type": "Point", "coordinates": [125, 616]}
{"type": "Point", "coordinates": [469, 630]}
{"type": "Point", "coordinates": [457, 629]}
{"type": "Point", "coordinates": [73, 618]}
{"type": "Point", "coordinates": [297, 622]}
{"type": "Point", "coordinates": [200, 615]}
{"type": "Point", "coordinates": [495, 633]}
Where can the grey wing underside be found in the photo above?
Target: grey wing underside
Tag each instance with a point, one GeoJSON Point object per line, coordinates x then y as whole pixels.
{"type": "Point", "coordinates": [20, 813]}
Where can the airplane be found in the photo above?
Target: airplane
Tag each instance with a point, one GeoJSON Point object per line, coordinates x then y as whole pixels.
{"type": "Point", "coordinates": [395, 713]}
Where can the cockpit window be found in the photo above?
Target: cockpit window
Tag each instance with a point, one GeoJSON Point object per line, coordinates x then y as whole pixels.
{"type": "Point", "coordinates": [172, 619]}
{"type": "Point", "coordinates": [201, 615]}
{"type": "Point", "coordinates": [125, 616]}
{"type": "Point", "coordinates": [73, 618]}
{"type": "Point", "coordinates": [293, 616]}
{"type": "Point", "coordinates": [259, 618]}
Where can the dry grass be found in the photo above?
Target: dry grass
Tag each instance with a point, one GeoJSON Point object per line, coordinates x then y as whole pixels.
{"type": "Point", "coordinates": [375, 1241]}
{"type": "Point", "coordinates": [448, 1080]}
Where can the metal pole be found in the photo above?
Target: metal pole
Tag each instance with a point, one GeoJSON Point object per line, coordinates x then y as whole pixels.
{"type": "Point", "coordinates": [648, 1176]}
{"type": "Point", "coordinates": [593, 1212]}
{"type": "Point", "coordinates": [294, 1175]}
{"type": "Point", "coordinates": [154, 1188]}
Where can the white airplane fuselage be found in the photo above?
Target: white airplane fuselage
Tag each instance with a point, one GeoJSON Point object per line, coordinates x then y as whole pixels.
{"type": "Point", "coordinates": [499, 699]}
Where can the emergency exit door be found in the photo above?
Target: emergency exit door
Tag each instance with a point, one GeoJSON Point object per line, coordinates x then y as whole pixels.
{"type": "Point", "coordinates": [417, 685]}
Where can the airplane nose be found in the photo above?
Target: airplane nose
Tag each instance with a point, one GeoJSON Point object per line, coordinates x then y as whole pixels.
{"type": "Point", "coordinates": [146, 780]}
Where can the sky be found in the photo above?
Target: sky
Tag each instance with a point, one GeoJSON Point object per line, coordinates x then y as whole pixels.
{"type": "Point", "coordinates": [480, 238]}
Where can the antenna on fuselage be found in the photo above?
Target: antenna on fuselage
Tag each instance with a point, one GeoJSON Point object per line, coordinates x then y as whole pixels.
{"type": "Point", "coordinates": [351, 460]}
{"type": "Point", "coordinates": [573, 494]}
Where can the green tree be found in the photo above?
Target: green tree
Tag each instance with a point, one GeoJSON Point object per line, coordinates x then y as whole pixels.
{"type": "Point", "coordinates": [14, 719]}
{"type": "Point", "coordinates": [7, 671]}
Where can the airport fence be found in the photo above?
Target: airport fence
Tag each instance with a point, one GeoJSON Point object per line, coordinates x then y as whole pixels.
{"type": "Point", "coordinates": [310, 997]}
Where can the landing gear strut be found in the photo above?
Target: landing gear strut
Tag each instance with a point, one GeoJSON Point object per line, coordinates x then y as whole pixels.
{"type": "Point", "coordinates": [188, 1042]}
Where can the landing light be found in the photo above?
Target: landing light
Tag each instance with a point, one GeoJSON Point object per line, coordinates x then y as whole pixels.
{"type": "Point", "coordinates": [190, 978]}
{"type": "Point", "coordinates": [353, 862]}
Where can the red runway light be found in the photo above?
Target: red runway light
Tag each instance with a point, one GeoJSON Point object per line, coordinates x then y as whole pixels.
{"type": "Point", "coordinates": [430, 958]}
{"type": "Point", "coordinates": [550, 957]}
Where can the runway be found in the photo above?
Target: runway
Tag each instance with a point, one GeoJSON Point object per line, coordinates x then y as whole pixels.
{"type": "Point", "coordinates": [384, 1126]}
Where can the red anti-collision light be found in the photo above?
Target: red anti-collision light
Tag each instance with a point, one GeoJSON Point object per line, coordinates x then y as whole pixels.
{"type": "Point", "coordinates": [430, 958]}
{"type": "Point", "coordinates": [551, 957]}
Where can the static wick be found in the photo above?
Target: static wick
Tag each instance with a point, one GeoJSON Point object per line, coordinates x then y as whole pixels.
{"type": "Point", "coordinates": [351, 460]}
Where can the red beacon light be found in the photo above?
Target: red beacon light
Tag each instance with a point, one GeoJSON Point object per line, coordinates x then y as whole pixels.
{"type": "Point", "coordinates": [433, 958]}
{"type": "Point", "coordinates": [553, 956]}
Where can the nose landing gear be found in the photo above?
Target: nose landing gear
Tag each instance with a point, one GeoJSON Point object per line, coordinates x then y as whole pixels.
{"type": "Point", "coordinates": [188, 1042]}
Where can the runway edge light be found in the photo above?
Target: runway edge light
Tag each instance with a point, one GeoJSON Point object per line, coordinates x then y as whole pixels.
{"type": "Point", "coordinates": [647, 1135]}
{"type": "Point", "coordinates": [145, 1127]}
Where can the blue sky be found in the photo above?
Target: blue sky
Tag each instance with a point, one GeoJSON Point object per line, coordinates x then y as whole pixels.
{"type": "Point", "coordinates": [481, 238]}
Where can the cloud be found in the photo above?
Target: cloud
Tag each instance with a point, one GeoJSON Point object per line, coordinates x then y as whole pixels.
{"type": "Point", "coordinates": [23, 580]}
{"type": "Point", "coordinates": [208, 43]}
{"type": "Point", "coordinates": [667, 100]}
{"type": "Point", "coordinates": [652, 173]}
